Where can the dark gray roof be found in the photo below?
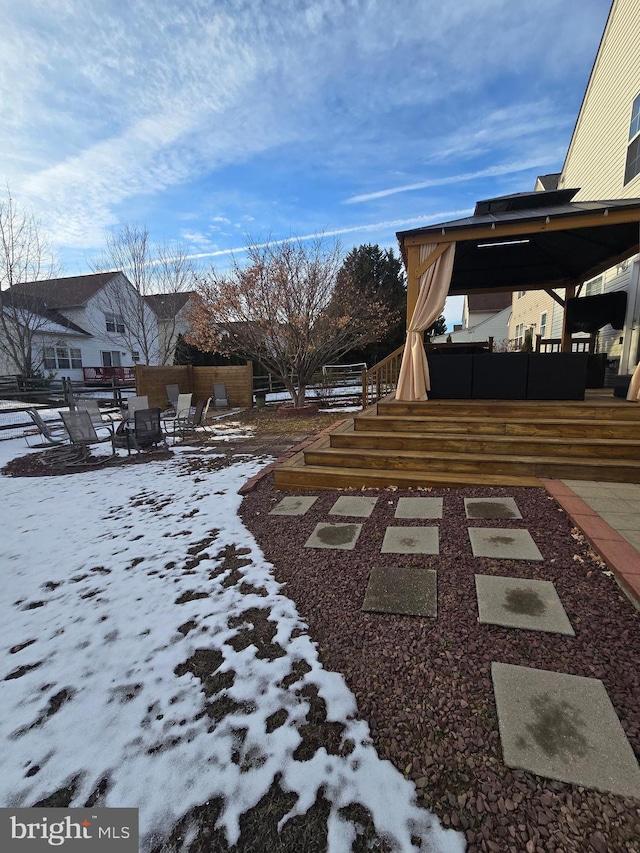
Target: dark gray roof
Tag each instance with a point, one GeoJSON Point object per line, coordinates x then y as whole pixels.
{"type": "Point", "coordinates": [509, 246]}
{"type": "Point", "coordinates": [70, 292]}
{"type": "Point", "coordinates": [489, 301]}
{"type": "Point", "coordinates": [166, 305]}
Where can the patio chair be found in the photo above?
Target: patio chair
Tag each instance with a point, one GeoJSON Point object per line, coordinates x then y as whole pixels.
{"type": "Point", "coordinates": [135, 403]}
{"type": "Point", "coordinates": [192, 420]}
{"type": "Point", "coordinates": [205, 414]}
{"type": "Point", "coordinates": [220, 398]}
{"type": "Point", "coordinates": [95, 414]}
{"type": "Point", "coordinates": [183, 409]}
{"type": "Point", "coordinates": [147, 431]}
{"type": "Point", "coordinates": [52, 432]}
{"type": "Point", "coordinates": [82, 435]}
{"type": "Point", "coordinates": [173, 392]}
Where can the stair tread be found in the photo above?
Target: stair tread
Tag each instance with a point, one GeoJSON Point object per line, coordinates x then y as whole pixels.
{"type": "Point", "coordinates": [477, 457]}
{"type": "Point", "coordinates": [506, 439]}
{"type": "Point", "coordinates": [425, 477]}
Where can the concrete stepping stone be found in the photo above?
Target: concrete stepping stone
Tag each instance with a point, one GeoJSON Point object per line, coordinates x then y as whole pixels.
{"type": "Point", "coordinates": [563, 727]}
{"type": "Point", "coordinates": [405, 591]}
{"type": "Point", "coordinates": [516, 603]}
{"type": "Point", "coordinates": [292, 505]}
{"type": "Point", "coordinates": [503, 544]}
{"type": "Point", "coordinates": [339, 536]}
{"type": "Point", "coordinates": [419, 508]}
{"type": "Point", "coordinates": [410, 540]}
{"type": "Point", "coordinates": [357, 507]}
{"type": "Point", "coordinates": [491, 508]}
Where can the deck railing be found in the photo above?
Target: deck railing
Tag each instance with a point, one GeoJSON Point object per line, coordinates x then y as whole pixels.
{"type": "Point", "coordinates": [382, 378]}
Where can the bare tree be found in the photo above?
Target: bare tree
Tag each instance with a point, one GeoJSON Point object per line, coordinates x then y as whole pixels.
{"type": "Point", "coordinates": [160, 275]}
{"type": "Point", "coordinates": [281, 311]}
{"type": "Point", "coordinates": [26, 259]}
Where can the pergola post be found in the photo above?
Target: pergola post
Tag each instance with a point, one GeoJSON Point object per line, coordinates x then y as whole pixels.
{"type": "Point", "coordinates": [569, 293]}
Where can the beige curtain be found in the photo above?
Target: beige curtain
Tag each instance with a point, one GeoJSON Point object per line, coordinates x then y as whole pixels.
{"type": "Point", "coordinates": [413, 380]}
{"type": "Point", "coordinates": [633, 395]}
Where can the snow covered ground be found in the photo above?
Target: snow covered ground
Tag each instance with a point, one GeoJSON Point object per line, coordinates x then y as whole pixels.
{"type": "Point", "coordinates": [114, 582]}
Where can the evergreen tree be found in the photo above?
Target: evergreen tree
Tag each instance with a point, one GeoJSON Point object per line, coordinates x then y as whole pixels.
{"type": "Point", "coordinates": [378, 275]}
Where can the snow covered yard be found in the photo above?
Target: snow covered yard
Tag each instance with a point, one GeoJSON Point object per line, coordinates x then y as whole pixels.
{"type": "Point", "coordinates": [150, 660]}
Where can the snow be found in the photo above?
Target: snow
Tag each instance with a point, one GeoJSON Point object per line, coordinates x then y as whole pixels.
{"type": "Point", "coordinates": [99, 570]}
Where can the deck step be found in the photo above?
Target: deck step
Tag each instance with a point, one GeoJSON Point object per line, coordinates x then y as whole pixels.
{"type": "Point", "coordinates": [561, 427]}
{"type": "Point", "coordinates": [454, 443]}
{"type": "Point", "coordinates": [574, 410]}
{"type": "Point", "coordinates": [323, 477]}
{"type": "Point", "coordinates": [515, 445]}
{"type": "Point", "coordinates": [611, 470]}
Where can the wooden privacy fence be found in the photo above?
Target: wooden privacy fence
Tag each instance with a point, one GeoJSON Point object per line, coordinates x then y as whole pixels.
{"type": "Point", "coordinates": [238, 379]}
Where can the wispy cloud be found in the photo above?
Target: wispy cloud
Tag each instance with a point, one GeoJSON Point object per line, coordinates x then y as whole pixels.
{"type": "Point", "coordinates": [123, 111]}
{"type": "Point", "coordinates": [490, 172]}
{"type": "Point", "coordinates": [385, 226]}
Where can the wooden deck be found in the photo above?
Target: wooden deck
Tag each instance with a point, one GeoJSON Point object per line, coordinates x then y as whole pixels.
{"type": "Point", "coordinates": [473, 442]}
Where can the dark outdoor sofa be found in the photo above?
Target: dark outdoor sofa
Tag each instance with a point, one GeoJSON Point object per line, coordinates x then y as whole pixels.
{"type": "Point", "coordinates": [508, 375]}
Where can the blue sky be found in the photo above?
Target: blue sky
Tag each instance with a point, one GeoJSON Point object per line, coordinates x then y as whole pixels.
{"type": "Point", "coordinates": [211, 120]}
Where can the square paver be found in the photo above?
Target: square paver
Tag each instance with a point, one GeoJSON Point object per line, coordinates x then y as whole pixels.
{"type": "Point", "coordinates": [357, 507]}
{"type": "Point", "coordinates": [407, 591]}
{"type": "Point", "coordinates": [516, 603]}
{"type": "Point", "coordinates": [410, 540]}
{"type": "Point", "coordinates": [503, 544]}
{"type": "Point", "coordinates": [622, 520]}
{"type": "Point", "coordinates": [563, 727]}
{"type": "Point", "coordinates": [491, 508]}
{"type": "Point", "coordinates": [419, 508]}
{"type": "Point", "coordinates": [292, 505]}
{"type": "Point", "coordinates": [340, 536]}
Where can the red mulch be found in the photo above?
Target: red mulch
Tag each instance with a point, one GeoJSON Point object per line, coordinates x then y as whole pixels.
{"type": "Point", "coordinates": [425, 685]}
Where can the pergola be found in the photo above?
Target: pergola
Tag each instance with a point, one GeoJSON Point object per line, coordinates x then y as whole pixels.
{"type": "Point", "coordinates": [528, 241]}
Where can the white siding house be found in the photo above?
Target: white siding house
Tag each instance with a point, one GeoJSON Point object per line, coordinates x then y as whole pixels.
{"type": "Point", "coordinates": [484, 316]}
{"type": "Point", "coordinates": [84, 322]}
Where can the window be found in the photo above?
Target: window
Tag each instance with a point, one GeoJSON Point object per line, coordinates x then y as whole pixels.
{"type": "Point", "coordinates": [543, 324]}
{"type": "Point", "coordinates": [594, 287]}
{"type": "Point", "coordinates": [519, 338]}
{"type": "Point", "coordinates": [633, 151]}
{"type": "Point", "coordinates": [62, 358]}
{"type": "Point", "coordinates": [110, 359]}
{"type": "Point", "coordinates": [520, 294]}
{"type": "Point", "coordinates": [135, 355]}
{"type": "Point", "coordinates": [115, 323]}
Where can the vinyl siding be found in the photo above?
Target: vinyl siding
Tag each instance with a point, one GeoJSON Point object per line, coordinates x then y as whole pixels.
{"type": "Point", "coordinates": [597, 154]}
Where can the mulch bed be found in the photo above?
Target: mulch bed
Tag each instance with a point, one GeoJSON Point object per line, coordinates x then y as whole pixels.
{"type": "Point", "coordinates": [425, 685]}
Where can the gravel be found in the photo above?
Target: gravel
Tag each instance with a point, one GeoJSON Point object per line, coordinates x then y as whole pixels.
{"type": "Point", "coordinates": [424, 685]}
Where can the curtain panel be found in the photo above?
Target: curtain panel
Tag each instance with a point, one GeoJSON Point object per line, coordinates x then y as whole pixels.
{"type": "Point", "coordinates": [413, 380]}
{"type": "Point", "coordinates": [633, 395]}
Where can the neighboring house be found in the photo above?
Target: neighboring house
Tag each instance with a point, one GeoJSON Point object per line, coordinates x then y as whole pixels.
{"type": "Point", "coordinates": [171, 311]}
{"type": "Point", "coordinates": [484, 316]}
{"type": "Point", "coordinates": [76, 325]}
{"type": "Point", "coordinates": [603, 161]}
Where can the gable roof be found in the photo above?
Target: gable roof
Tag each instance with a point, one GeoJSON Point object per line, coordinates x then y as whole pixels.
{"type": "Point", "coordinates": [166, 305]}
{"type": "Point", "coordinates": [70, 292]}
{"type": "Point", "coordinates": [488, 301]}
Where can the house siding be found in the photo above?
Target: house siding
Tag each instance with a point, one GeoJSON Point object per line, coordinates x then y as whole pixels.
{"type": "Point", "coordinates": [595, 163]}
{"type": "Point", "coordinates": [597, 154]}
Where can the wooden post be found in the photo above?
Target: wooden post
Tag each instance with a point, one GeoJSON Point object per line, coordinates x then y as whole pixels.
{"type": "Point", "coordinates": [413, 284]}
{"type": "Point", "coordinates": [569, 293]}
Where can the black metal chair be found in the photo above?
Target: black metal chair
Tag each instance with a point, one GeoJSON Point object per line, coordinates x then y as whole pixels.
{"type": "Point", "coordinates": [147, 431]}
